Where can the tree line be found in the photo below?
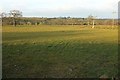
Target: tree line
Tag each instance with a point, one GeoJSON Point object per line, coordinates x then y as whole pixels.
{"type": "Point", "coordinates": [15, 17]}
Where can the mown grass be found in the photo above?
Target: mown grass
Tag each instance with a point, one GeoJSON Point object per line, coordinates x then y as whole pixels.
{"type": "Point", "coordinates": [59, 51]}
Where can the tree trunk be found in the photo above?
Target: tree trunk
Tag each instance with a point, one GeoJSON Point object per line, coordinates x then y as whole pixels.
{"type": "Point", "coordinates": [14, 22]}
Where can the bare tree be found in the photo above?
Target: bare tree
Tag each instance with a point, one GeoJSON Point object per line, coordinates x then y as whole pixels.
{"type": "Point", "coordinates": [2, 15]}
{"type": "Point", "coordinates": [91, 19]}
{"type": "Point", "coordinates": [15, 14]}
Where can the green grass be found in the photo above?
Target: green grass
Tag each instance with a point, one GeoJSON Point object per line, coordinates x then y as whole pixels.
{"type": "Point", "coordinates": [59, 51]}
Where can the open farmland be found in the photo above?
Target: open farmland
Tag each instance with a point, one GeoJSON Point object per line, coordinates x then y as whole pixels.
{"type": "Point", "coordinates": [59, 51]}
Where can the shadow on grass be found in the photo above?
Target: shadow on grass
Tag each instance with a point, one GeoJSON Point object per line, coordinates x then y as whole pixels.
{"type": "Point", "coordinates": [60, 59]}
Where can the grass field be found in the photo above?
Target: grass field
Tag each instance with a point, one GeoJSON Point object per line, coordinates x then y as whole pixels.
{"type": "Point", "coordinates": [59, 51]}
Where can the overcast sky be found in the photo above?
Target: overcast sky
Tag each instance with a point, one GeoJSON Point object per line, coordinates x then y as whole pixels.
{"type": "Point", "coordinates": [57, 8]}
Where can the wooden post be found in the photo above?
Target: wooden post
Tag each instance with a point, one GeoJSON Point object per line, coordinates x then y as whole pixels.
{"type": "Point", "coordinates": [93, 24]}
{"type": "Point", "coordinates": [113, 20]}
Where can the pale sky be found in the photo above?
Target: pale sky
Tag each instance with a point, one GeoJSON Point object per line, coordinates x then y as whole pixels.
{"type": "Point", "coordinates": [64, 8]}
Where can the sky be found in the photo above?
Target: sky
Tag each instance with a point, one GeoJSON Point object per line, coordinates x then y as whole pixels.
{"type": "Point", "coordinates": [62, 8]}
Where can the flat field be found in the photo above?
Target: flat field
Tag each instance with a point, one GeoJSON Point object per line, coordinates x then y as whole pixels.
{"type": "Point", "coordinates": [53, 51]}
